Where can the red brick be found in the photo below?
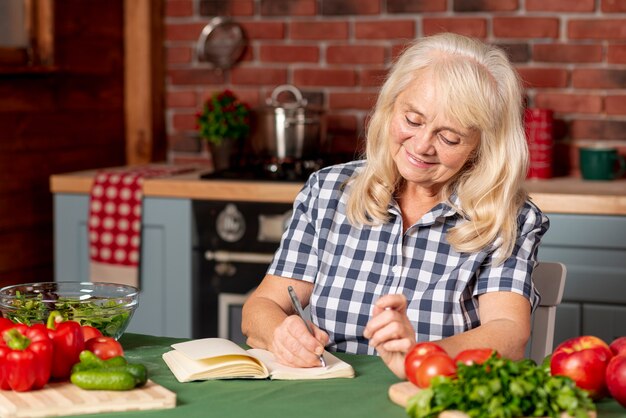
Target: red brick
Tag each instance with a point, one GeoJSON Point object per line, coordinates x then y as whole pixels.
{"type": "Point", "coordinates": [421, 6]}
{"type": "Point", "coordinates": [264, 30]}
{"type": "Point", "coordinates": [346, 144]}
{"type": "Point", "coordinates": [385, 29]}
{"type": "Point", "coordinates": [560, 5]}
{"type": "Point", "coordinates": [596, 29]}
{"type": "Point", "coordinates": [250, 96]}
{"type": "Point", "coordinates": [288, 7]}
{"type": "Point", "coordinates": [598, 129]}
{"type": "Point", "coordinates": [569, 103]}
{"type": "Point", "coordinates": [372, 77]}
{"type": "Point", "coordinates": [242, 7]}
{"type": "Point", "coordinates": [183, 31]}
{"type": "Point", "coordinates": [318, 30]}
{"type": "Point", "coordinates": [259, 76]}
{"type": "Point", "coordinates": [178, 8]}
{"type": "Point", "coordinates": [184, 121]}
{"type": "Point", "coordinates": [616, 54]}
{"type": "Point", "coordinates": [613, 6]}
{"type": "Point", "coordinates": [567, 53]}
{"type": "Point", "coordinates": [475, 27]}
{"type": "Point", "coordinates": [363, 101]}
{"type": "Point", "coordinates": [324, 77]}
{"type": "Point", "coordinates": [355, 54]}
{"type": "Point", "coordinates": [598, 79]}
{"type": "Point", "coordinates": [184, 98]}
{"type": "Point", "coordinates": [178, 54]}
{"type": "Point", "coordinates": [350, 7]}
{"type": "Point", "coordinates": [248, 54]}
{"type": "Point", "coordinates": [195, 76]}
{"type": "Point", "coordinates": [186, 141]}
{"type": "Point", "coordinates": [485, 5]}
{"type": "Point", "coordinates": [227, 7]}
{"type": "Point", "coordinates": [526, 27]}
{"type": "Point", "coordinates": [615, 105]}
{"type": "Point", "coordinates": [397, 49]}
{"type": "Point", "coordinates": [543, 77]}
{"type": "Point", "coordinates": [289, 53]}
{"type": "Point", "coordinates": [341, 123]}
{"type": "Point", "coordinates": [517, 52]}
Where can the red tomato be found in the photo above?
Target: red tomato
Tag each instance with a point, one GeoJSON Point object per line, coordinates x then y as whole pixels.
{"type": "Point", "coordinates": [474, 356]}
{"type": "Point", "coordinates": [89, 332]}
{"type": "Point", "coordinates": [414, 358]}
{"type": "Point", "coordinates": [104, 347]}
{"type": "Point", "coordinates": [436, 364]}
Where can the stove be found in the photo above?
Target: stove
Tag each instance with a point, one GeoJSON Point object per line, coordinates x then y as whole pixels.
{"type": "Point", "coordinates": [236, 241]}
{"type": "Point", "coordinates": [271, 169]}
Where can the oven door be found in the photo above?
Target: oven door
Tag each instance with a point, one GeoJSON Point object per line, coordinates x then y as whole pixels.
{"type": "Point", "coordinates": [236, 243]}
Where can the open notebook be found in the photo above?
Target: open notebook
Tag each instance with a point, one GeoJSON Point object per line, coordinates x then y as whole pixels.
{"type": "Point", "coordinates": [219, 358]}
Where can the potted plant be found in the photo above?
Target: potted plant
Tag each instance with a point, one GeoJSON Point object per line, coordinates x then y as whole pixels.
{"type": "Point", "coordinates": [223, 123]}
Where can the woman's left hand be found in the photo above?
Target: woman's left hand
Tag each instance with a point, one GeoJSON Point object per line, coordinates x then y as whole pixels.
{"type": "Point", "coordinates": [390, 332]}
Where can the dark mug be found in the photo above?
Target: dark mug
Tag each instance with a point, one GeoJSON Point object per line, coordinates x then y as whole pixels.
{"type": "Point", "coordinates": [601, 163]}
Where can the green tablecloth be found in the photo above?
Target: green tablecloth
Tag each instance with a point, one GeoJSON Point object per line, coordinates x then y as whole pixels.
{"type": "Point", "coordinates": [362, 397]}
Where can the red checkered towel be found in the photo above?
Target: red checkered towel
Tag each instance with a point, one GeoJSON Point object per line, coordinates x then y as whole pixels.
{"type": "Point", "coordinates": [115, 223]}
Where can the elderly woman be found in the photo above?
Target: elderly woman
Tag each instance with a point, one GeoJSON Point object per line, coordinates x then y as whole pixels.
{"type": "Point", "coordinates": [429, 238]}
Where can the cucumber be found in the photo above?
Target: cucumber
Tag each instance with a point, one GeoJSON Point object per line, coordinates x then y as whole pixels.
{"type": "Point", "coordinates": [115, 361]}
{"type": "Point", "coordinates": [138, 370]}
{"type": "Point", "coordinates": [104, 379]}
{"type": "Point", "coordinates": [90, 359]}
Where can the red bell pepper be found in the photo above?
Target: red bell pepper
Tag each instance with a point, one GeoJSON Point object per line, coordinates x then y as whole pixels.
{"type": "Point", "coordinates": [25, 357]}
{"type": "Point", "coordinates": [68, 341]}
{"type": "Point", "coordinates": [5, 323]}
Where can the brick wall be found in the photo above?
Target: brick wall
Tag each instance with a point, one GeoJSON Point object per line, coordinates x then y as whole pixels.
{"type": "Point", "coordinates": [571, 55]}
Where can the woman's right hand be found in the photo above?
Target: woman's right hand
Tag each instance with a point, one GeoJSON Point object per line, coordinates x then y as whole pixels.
{"type": "Point", "coordinates": [293, 344]}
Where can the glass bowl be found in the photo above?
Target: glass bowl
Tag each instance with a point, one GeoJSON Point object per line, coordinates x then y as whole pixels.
{"type": "Point", "coordinates": [106, 306]}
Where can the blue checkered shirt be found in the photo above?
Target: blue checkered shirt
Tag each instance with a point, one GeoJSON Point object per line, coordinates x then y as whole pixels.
{"type": "Point", "coordinates": [352, 266]}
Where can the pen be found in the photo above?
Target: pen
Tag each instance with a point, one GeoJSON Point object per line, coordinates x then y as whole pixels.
{"type": "Point", "coordinates": [298, 307]}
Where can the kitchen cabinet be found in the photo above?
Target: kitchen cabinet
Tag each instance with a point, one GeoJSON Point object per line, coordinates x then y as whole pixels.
{"type": "Point", "coordinates": [587, 234]}
{"type": "Point", "coordinates": [593, 247]}
{"type": "Point", "coordinates": [166, 269]}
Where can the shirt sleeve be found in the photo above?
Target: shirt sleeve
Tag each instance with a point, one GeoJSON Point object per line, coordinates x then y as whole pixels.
{"type": "Point", "coordinates": [515, 274]}
{"type": "Point", "coordinates": [297, 255]}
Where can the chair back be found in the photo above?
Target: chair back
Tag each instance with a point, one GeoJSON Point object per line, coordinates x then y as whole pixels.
{"type": "Point", "coordinates": [549, 280]}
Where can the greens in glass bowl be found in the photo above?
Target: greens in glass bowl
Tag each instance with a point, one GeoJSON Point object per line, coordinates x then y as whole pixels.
{"type": "Point", "coordinates": [105, 306]}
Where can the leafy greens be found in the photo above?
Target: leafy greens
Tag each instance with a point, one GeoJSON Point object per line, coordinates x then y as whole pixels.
{"type": "Point", "coordinates": [502, 388]}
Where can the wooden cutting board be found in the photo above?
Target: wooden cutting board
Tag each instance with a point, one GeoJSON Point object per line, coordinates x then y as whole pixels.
{"type": "Point", "coordinates": [57, 399]}
{"type": "Point", "coordinates": [400, 393]}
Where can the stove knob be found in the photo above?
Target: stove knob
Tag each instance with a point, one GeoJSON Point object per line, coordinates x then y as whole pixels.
{"type": "Point", "coordinates": [230, 224]}
{"type": "Point", "coordinates": [225, 269]}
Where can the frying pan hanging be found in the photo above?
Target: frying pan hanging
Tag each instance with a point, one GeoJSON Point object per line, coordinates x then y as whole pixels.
{"type": "Point", "coordinates": [221, 43]}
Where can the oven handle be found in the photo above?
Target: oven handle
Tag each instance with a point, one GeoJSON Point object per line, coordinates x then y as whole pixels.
{"type": "Point", "coordinates": [237, 257]}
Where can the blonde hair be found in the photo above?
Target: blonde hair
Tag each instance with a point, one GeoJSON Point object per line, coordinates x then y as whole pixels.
{"type": "Point", "coordinates": [481, 90]}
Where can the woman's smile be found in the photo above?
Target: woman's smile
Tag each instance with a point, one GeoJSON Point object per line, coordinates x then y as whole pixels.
{"type": "Point", "coordinates": [417, 161]}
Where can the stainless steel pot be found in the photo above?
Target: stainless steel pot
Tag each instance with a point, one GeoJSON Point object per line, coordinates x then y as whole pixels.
{"type": "Point", "coordinates": [289, 130]}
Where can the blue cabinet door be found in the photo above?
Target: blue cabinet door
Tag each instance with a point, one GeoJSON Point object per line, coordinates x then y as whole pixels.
{"type": "Point", "coordinates": [166, 260]}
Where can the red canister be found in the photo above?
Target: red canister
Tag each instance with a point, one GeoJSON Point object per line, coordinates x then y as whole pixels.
{"type": "Point", "coordinates": [538, 125]}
